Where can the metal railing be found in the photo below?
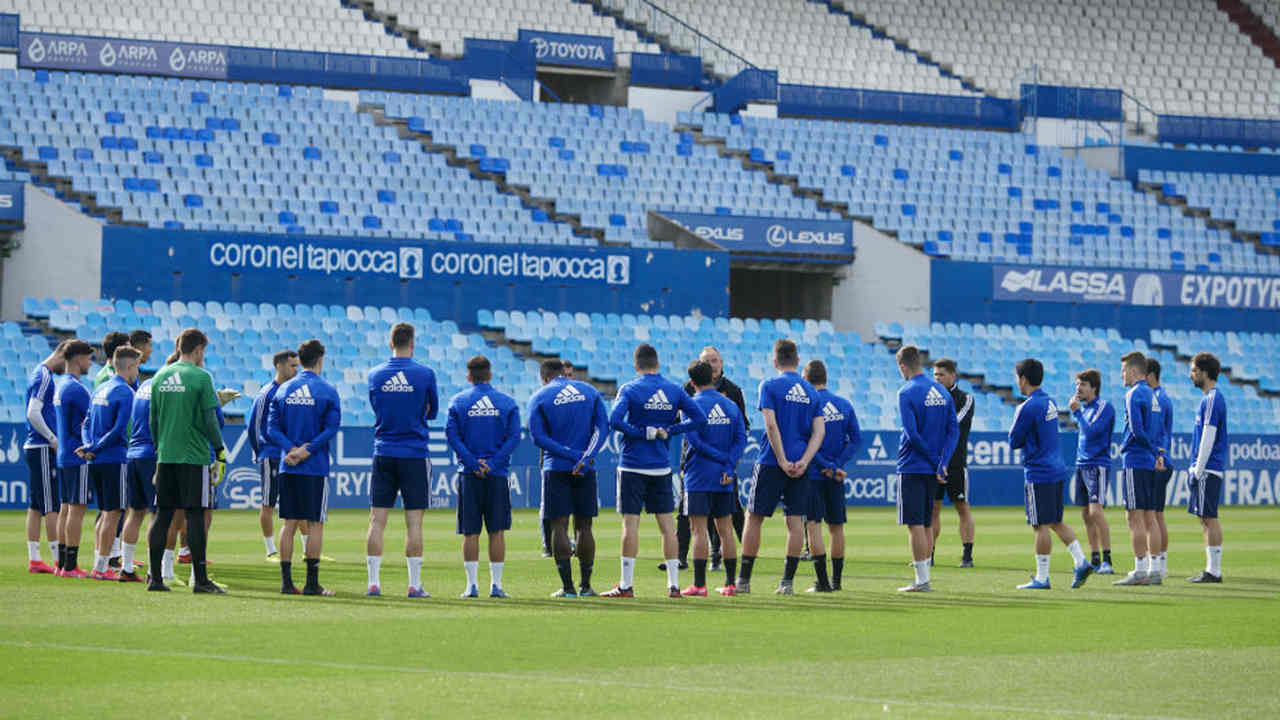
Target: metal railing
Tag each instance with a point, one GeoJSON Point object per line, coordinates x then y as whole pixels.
{"type": "Point", "coordinates": [680, 35]}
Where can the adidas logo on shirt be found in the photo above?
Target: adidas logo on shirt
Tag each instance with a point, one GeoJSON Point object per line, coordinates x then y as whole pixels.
{"type": "Point", "coordinates": [831, 413]}
{"type": "Point", "coordinates": [658, 401]}
{"type": "Point", "coordinates": [797, 394]}
{"type": "Point", "coordinates": [173, 383]}
{"type": "Point", "coordinates": [301, 396]}
{"type": "Point", "coordinates": [100, 397]}
{"type": "Point", "coordinates": [568, 395]}
{"type": "Point", "coordinates": [397, 383]}
{"type": "Point", "coordinates": [1051, 411]}
{"type": "Point", "coordinates": [717, 416]}
{"type": "Point", "coordinates": [483, 408]}
{"type": "Point", "coordinates": [144, 392]}
{"type": "Point", "coordinates": [934, 398]}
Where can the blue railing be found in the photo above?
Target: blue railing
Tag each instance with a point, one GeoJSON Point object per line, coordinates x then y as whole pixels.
{"type": "Point", "coordinates": [9, 31]}
{"type": "Point", "coordinates": [665, 70]}
{"type": "Point", "coordinates": [898, 107]}
{"type": "Point", "coordinates": [1240, 132]}
{"type": "Point", "coordinates": [1071, 103]}
{"type": "Point", "coordinates": [751, 85]}
{"type": "Point", "coordinates": [681, 34]}
{"type": "Point", "coordinates": [512, 63]}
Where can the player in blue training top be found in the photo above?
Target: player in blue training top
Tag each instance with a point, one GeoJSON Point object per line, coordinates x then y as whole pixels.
{"type": "Point", "coordinates": [140, 470]}
{"type": "Point", "coordinates": [1097, 420]}
{"type": "Point", "coordinates": [1035, 432]}
{"type": "Point", "coordinates": [930, 431]}
{"type": "Point", "coordinates": [646, 413]}
{"type": "Point", "coordinates": [1209, 448]}
{"type": "Point", "coordinates": [1139, 449]}
{"type": "Point", "coordinates": [265, 454]}
{"type": "Point", "coordinates": [71, 405]}
{"type": "Point", "coordinates": [841, 439]}
{"type": "Point", "coordinates": [39, 447]}
{"type": "Point", "coordinates": [483, 430]}
{"type": "Point", "coordinates": [569, 424]}
{"type": "Point", "coordinates": [304, 417]}
{"type": "Point", "coordinates": [403, 395]}
{"type": "Point", "coordinates": [1158, 532]}
{"type": "Point", "coordinates": [105, 448]}
{"type": "Point", "coordinates": [794, 431]}
{"type": "Point", "coordinates": [708, 465]}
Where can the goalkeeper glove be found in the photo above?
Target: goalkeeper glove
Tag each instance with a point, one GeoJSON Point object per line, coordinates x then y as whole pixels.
{"type": "Point", "coordinates": [220, 467]}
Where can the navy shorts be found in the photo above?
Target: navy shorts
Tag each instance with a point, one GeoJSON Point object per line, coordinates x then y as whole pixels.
{"type": "Point", "coordinates": [410, 478]}
{"type": "Point", "coordinates": [638, 492]}
{"type": "Point", "coordinates": [915, 499]}
{"type": "Point", "coordinates": [1044, 502]}
{"type": "Point", "coordinates": [1161, 488]}
{"type": "Point", "coordinates": [304, 497]}
{"type": "Point", "coordinates": [74, 483]}
{"type": "Point", "coordinates": [771, 486]}
{"type": "Point", "coordinates": [140, 484]}
{"type": "Point", "coordinates": [956, 488]}
{"type": "Point", "coordinates": [269, 474]}
{"type": "Point", "coordinates": [565, 494]}
{"type": "Point", "coordinates": [1091, 485]}
{"type": "Point", "coordinates": [1205, 495]}
{"type": "Point", "coordinates": [826, 500]}
{"type": "Point", "coordinates": [712, 504]}
{"type": "Point", "coordinates": [483, 502]}
{"type": "Point", "coordinates": [109, 485]}
{"type": "Point", "coordinates": [1139, 489]}
{"type": "Point", "coordinates": [43, 493]}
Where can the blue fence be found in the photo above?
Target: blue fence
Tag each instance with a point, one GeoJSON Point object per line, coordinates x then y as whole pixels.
{"type": "Point", "coordinates": [896, 107]}
{"type": "Point", "coordinates": [1187, 130]}
{"type": "Point", "coordinates": [9, 25]}
{"type": "Point", "coordinates": [1138, 157]}
{"type": "Point", "coordinates": [662, 70]}
{"type": "Point", "coordinates": [750, 85]}
{"type": "Point", "coordinates": [11, 205]}
{"type": "Point", "coordinates": [510, 62]}
{"type": "Point", "coordinates": [1072, 103]}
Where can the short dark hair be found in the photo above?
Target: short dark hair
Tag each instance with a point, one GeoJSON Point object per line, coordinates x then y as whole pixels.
{"type": "Point", "coordinates": [815, 371]}
{"type": "Point", "coordinates": [1092, 377]}
{"type": "Point", "coordinates": [1208, 364]}
{"type": "Point", "coordinates": [568, 364]}
{"type": "Point", "coordinates": [909, 357]}
{"type": "Point", "coordinates": [401, 335]}
{"type": "Point", "coordinates": [551, 369]}
{"type": "Point", "coordinates": [1153, 367]}
{"type": "Point", "coordinates": [646, 357]}
{"type": "Point", "coordinates": [283, 357]}
{"type": "Point", "coordinates": [946, 364]}
{"type": "Point", "coordinates": [138, 338]}
{"type": "Point", "coordinates": [1032, 370]}
{"type": "Point", "coordinates": [125, 352]}
{"type": "Point", "coordinates": [112, 341]}
{"type": "Point", "coordinates": [700, 373]}
{"type": "Point", "coordinates": [785, 353]}
{"type": "Point", "coordinates": [191, 340]}
{"type": "Point", "coordinates": [1135, 359]}
{"type": "Point", "coordinates": [76, 348]}
{"type": "Point", "coordinates": [61, 349]}
{"type": "Point", "coordinates": [479, 369]}
{"type": "Point", "coordinates": [310, 352]}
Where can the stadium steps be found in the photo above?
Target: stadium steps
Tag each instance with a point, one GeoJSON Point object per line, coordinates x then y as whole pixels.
{"type": "Point", "coordinates": [1255, 383]}
{"type": "Point", "coordinates": [1253, 27]}
{"type": "Point", "coordinates": [1227, 225]}
{"type": "Point", "coordinates": [641, 29]}
{"type": "Point", "coordinates": [393, 26]}
{"type": "Point", "coordinates": [61, 186]}
{"type": "Point", "coordinates": [498, 337]}
{"type": "Point", "coordinates": [499, 180]}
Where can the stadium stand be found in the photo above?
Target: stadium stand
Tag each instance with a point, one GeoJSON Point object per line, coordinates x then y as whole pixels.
{"type": "Point", "coordinates": [1251, 202]}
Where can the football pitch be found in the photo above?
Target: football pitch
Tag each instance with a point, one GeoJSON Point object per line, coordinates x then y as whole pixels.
{"type": "Point", "coordinates": [975, 647]}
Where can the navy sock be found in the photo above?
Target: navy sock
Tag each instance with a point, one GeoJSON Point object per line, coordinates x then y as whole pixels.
{"type": "Point", "coordinates": [730, 571]}
{"type": "Point", "coordinates": [1095, 559]}
{"type": "Point", "coordinates": [585, 568]}
{"type": "Point", "coordinates": [789, 573]}
{"type": "Point", "coordinates": [748, 564]}
{"type": "Point", "coordinates": [837, 571]}
{"type": "Point", "coordinates": [286, 575]}
{"type": "Point", "coordinates": [313, 572]}
{"type": "Point", "coordinates": [968, 551]}
{"type": "Point", "coordinates": [820, 569]}
{"type": "Point", "coordinates": [1106, 556]}
{"type": "Point", "coordinates": [700, 572]}
{"type": "Point", "coordinates": [73, 557]}
{"type": "Point", "coordinates": [566, 574]}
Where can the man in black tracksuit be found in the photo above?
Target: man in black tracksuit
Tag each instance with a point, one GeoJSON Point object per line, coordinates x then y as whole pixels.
{"type": "Point", "coordinates": [957, 484]}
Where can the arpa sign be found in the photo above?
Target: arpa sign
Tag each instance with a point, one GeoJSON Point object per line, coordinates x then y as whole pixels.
{"type": "Point", "coordinates": [142, 57]}
{"type": "Point", "coordinates": [550, 48]}
{"type": "Point", "coordinates": [10, 204]}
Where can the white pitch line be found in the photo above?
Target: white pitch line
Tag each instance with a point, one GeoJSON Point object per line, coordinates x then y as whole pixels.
{"type": "Point", "coordinates": [572, 681]}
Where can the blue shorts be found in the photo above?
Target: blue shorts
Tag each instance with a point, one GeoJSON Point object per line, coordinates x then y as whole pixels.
{"type": "Point", "coordinates": [1205, 495]}
{"type": "Point", "coordinates": [915, 499]}
{"type": "Point", "coordinates": [139, 484]}
{"type": "Point", "coordinates": [638, 492]}
{"type": "Point", "coordinates": [1161, 488]}
{"type": "Point", "coordinates": [304, 497]}
{"type": "Point", "coordinates": [1091, 485]}
{"type": "Point", "coordinates": [483, 502]}
{"type": "Point", "coordinates": [1139, 489]}
{"type": "Point", "coordinates": [42, 480]}
{"type": "Point", "coordinates": [826, 500]}
{"type": "Point", "coordinates": [1044, 502]}
{"type": "Point", "coordinates": [712, 504]}
{"type": "Point", "coordinates": [770, 486]}
{"type": "Point", "coordinates": [269, 474]}
{"type": "Point", "coordinates": [109, 485]}
{"type": "Point", "coordinates": [410, 478]}
{"type": "Point", "coordinates": [74, 483]}
{"type": "Point", "coordinates": [565, 494]}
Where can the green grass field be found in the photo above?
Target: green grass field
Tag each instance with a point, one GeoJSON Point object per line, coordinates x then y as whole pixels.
{"type": "Point", "coordinates": [976, 647]}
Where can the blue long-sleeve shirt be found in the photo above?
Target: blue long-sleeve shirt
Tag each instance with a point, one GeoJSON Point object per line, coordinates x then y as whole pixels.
{"type": "Point", "coordinates": [141, 445]}
{"type": "Point", "coordinates": [107, 424]}
{"type": "Point", "coordinates": [843, 436]}
{"type": "Point", "coordinates": [1166, 426]}
{"type": "Point", "coordinates": [71, 404]}
{"type": "Point", "coordinates": [40, 387]}
{"type": "Point", "coordinates": [1212, 413]}
{"type": "Point", "coordinates": [258, 440]}
{"type": "Point", "coordinates": [794, 404]}
{"type": "Point", "coordinates": [652, 401]}
{"type": "Point", "coordinates": [404, 398]}
{"type": "Point", "coordinates": [483, 424]}
{"type": "Point", "coordinates": [713, 450]}
{"type": "Point", "coordinates": [1097, 421]}
{"type": "Point", "coordinates": [929, 427]}
{"type": "Point", "coordinates": [305, 411]}
{"type": "Point", "coordinates": [1142, 427]}
{"type": "Point", "coordinates": [1035, 431]}
{"type": "Point", "coordinates": [568, 422]}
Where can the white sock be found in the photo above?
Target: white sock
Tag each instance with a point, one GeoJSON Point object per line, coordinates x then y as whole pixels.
{"type": "Point", "coordinates": [415, 571]}
{"type": "Point", "coordinates": [473, 570]}
{"type": "Point", "coordinates": [100, 562]}
{"type": "Point", "coordinates": [628, 572]}
{"type": "Point", "coordinates": [1077, 553]}
{"type": "Point", "coordinates": [166, 565]}
{"type": "Point", "coordinates": [1143, 564]}
{"type": "Point", "coordinates": [1042, 568]}
{"type": "Point", "coordinates": [115, 548]}
{"type": "Point", "coordinates": [1157, 563]}
{"type": "Point", "coordinates": [270, 542]}
{"type": "Point", "coordinates": [53, 549]}
{"type": "Point", "coordinates": [375, 570]}
{"type": "Point", "coordinates": [1214, 554]}
{"type": "Point", "coordinates": [673, 572]}
{"type": "Point", "coordinates": [126, 556]}
{"type": "Point", "coordinates": [33, 551]}
{"type": "Point", "coordinates": [922, 571]}
{"type": "Point", "coordinates": [495, 573]}
{"type": "Point", "coordinates": [184, 550]}
{"type": "Point", "coordinates": [191, 576]}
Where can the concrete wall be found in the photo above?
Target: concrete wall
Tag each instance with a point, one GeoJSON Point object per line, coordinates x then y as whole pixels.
{"type": "Point", "coordinates": [888, 282]}
{"type": "Point", "coordinates": [59, 255]}
{"type": "Point", "coordinates": [661, 105]}
{"type": "Point", "coordinates": [492, 90]}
